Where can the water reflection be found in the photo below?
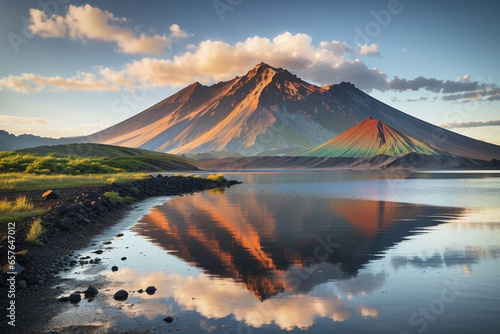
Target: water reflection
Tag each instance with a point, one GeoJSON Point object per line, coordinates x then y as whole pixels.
{"type": "Point", "coordinates": [268, 258]}
{"type": "Point", "coordinates": [292, 245]}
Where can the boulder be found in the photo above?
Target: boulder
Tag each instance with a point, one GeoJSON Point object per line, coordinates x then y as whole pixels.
{"type": "Point", "coordinates": [121, 295]}
{"type": "Point", "coordinates": [91, 292]}
{"type": "Point", "coordinates": [168, 319]}
{"type": "Point", "coordinates": [66, 224]}
{"type": "Point", "coordinates": [33, 280]}
{"type": "Point", "coordinates": [75, 297]}
{"type": "Point", "coordinates": [150, 290]}
{"type": "Point", "coordinates": [49, 194]}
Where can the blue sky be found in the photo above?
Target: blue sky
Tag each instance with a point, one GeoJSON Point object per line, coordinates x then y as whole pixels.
{"type": "Point", "coordinates": [75, 67]}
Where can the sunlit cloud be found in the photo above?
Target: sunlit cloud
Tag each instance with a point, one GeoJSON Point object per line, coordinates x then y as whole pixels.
{"type": "Point", "coordinates": [91, 23]}
{"type": "Point", "coordinates": [30, 82]}
{"type": "Point", "coordinates": [22, 120]}
{"type": "Point", "coordinates": [177, 32]}
{"type": "Point", "coordinates": [211, 61]}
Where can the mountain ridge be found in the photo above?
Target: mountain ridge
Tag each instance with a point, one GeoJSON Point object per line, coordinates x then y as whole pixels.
{"type": "Point", "coordinates": [270, 109]}
{"type": "Point", "coordinates": [267, 110]}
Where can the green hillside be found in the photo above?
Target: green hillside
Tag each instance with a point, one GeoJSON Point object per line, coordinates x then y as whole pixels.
{"type": "Point", "coordinates": [76, 159]}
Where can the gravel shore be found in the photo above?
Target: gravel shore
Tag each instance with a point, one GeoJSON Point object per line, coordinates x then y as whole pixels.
{"type": "Point", "coordinates": [72, 218]}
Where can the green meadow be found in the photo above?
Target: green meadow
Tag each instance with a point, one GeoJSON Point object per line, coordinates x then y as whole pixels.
{"type": "Point", "coordinates": [76, 165]}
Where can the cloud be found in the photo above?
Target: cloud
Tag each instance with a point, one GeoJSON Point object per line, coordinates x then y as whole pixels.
{"type": "Point", "coordinates": [30, 82]}
{"type": "Point", "coordinates": [461, 89]}
{"type": "Point", "coordinates": [22, 120]}
{"type": "Point", "coordinates": [400, 85]}
{"type": "Point", "coordinates": [177, 32]}
{"type": "Point", "coordinates": [91, 23]}
{"type": "Point", "coordinates": [489, 92]}
{"type": "Point", "coordinates": [340, 48]}
{"type": "Point", "coordinates": [211, 61]}
{"type": "Point", "coordinates": [471, 124]}
{"type": "Point", "coordinates": [369, 50]}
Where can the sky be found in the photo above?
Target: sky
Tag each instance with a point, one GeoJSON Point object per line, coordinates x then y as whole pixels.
{"type": "Point", "coordinates": [71, 68]}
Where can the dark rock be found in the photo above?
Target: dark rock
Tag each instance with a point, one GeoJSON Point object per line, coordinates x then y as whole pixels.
{"type": "Point", "coordinates": [100, 251]}
{"type": "Point", "coordinates": [168, 319]}
{"type": "Point", "coordinates": [150, 290]}
{"type": "Point", "coordinates": [66, 224]}
{"type": "Point", "coordinates": [75, 297]}
{"type": "Point", "coordinates": [121, 295]}
{"type": "Point", "coordinates": [23, 257]}
{"type": "Point", "coordinates": [33, 280]}
{"type": "Point", "coordinates": [124, 258]}
{"type": "Point", "coordinates": [64, 299]}
{"type": "Point", "coordinates": [77, 207]}
{"type": "Point", "coordinates": [62, 209]}
{"type": "Point", "coordinates": [114, 268]}
{"type": "Point", "coordinates": [140, 291]}
{"type": "Point", "coordinates": [18, 269]}
{"type": "Point", "coordinates": [91, 292]}
{"type": "Point", "coordinates": [22, 284]}
{"type": "Point", "coordinates": [120, 235]}
{"type": "Point", "coordinates": [49, 194]}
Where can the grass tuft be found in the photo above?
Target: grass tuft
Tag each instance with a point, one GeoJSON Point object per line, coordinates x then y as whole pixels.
{"type": "Point", "coordinates": [5, 206]}
{"type": "Point", "coordinates": [35, 232]}
{"type": "Point", "coordinates": [114, 197]}
{"type": "Point", "coordinates": [216, 177]}
{"type": "Point", "coordinates": [22, 205]}
{"type": "Point", "coordinates": [17, 210]}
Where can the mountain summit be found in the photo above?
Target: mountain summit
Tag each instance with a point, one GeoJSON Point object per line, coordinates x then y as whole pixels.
{"type": "Point", "coordinates": [368, 138]}
{"type": "Point", "coordinates": [270, 110]}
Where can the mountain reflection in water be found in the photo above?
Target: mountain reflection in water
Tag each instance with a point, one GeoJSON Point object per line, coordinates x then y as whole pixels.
{"type": "Point", "coordinates": [290, 245]}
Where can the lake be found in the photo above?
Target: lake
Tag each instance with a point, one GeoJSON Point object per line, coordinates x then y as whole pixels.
{"type": "Point", "coordinates": [291, 252]}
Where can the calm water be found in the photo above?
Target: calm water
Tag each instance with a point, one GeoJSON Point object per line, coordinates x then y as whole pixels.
{"type": "Point", "coordinates": [322, 252]}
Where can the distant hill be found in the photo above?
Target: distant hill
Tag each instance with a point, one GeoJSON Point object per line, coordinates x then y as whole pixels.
{"type": "Point", "coordinates": [90, 158]}
{"type": "Point", "coordinates": [376, 162]}
{"type": "Point", "coordinates": [11, 142]}
{"type": "Point", "coordinates": [369, 138]}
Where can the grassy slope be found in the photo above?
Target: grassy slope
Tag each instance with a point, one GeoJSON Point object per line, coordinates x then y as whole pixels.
{"type": "Point", "coordinates": [64, 166]}
{"type": "Point", "coordinates": [121, 159]}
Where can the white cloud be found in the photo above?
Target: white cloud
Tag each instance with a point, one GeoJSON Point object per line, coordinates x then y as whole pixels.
{"type": "Point", "coordinates": [207, 62]}
{"type": "Point", "coordinates": [46, 27]}
{"type": "Point", "coordinates": [369, 50]}
{"type": "Point", "coordinates": [211, 61]}
{"type": "Point", "coordinates": [91, 23]}
{"type": "Point", "coordinates": [177, 32]}
{"type": "Point", "coordinates": [30, 82]}
{"type": "Point", "coordinates": [465, 78]}
{"type": "Point", "coordinates": [22, 120]}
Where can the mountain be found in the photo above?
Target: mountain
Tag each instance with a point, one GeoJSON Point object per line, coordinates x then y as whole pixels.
{"type": "Point", "coordinates": [368, 138]}
{"type": "Point", "coordinates": [270, 109]}
{"type": "Point", "coordinates": [11, 142]}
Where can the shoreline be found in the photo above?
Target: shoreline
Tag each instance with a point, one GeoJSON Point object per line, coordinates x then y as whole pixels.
{"type": "Point", "coordinates": [70, 223]}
